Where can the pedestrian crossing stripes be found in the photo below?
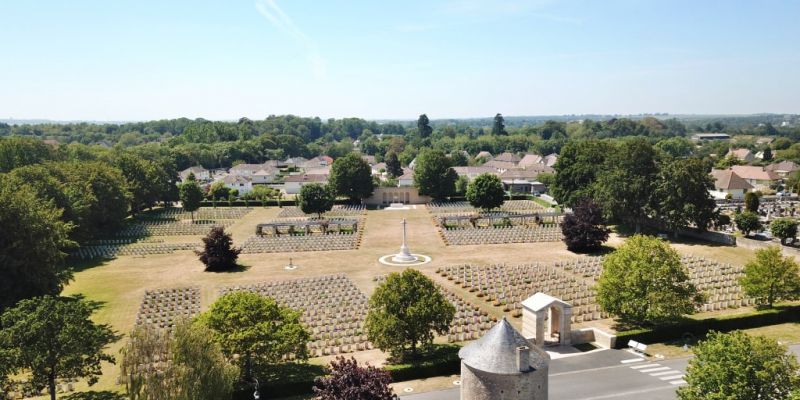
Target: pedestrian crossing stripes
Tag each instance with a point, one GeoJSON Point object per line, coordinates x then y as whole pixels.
{"type": "Point", "coordinates": [659, 371]}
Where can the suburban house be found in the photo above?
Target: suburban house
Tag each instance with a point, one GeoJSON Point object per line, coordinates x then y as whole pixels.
{"type": "Point", "coordinates": [243, 184]}
{"type": "Point", "coordinates": [265, 175]}
{"type": "Point", "coordinates": [500, 165]}
{"type": "Point", "coordinates": [248, 169]}
{"type": "Point", "coordinates": [522, 181]}
{"type": "Point", "coordinates": [727, 182]}
{"type": "Point", "coordinates": [378, 169]}
{"type": "Point", "coordinates": [295, 162]}
{"type": "Point", "coordinates": [783, 168]}
{"type": "Point", "coordinates": [293, 183]}
{"type": "Point", "coordinates": [200, 173]}
{"type": "Point", "coordinates": [756, 176]}
{"type": "Point", "coordinates": [318, 161]}
{"type": "Point", "coordinates": [368, 159]}
{"type": "Point", "coordinates": [407, 179]}
{"type": "Point", "coordinates": [508, 157]}
{"type": "Point", "coordinates": [471, 172]}
{"type": "Point", "coordinates": [550, 159]}
{"type": "Point", "coordinates": [742, 155]}
{"type": "Point", "coordinates": [530, 159]}
{"type": "Point", "coordinates": [484, 155]}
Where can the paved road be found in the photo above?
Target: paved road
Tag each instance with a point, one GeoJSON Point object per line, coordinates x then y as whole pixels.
{"type": "Point", "coordinates": [607, 374]}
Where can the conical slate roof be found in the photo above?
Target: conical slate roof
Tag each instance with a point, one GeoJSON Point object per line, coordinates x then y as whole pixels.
{"type": "Point", "coordinates": [496, 351]}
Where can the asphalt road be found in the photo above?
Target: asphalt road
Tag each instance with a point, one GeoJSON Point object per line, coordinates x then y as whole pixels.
{"type": "Point", "coordinates": [607, 374]}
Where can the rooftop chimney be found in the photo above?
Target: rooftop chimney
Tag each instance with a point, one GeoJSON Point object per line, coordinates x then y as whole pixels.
{"type": "Point", "coordinates": [524, 358]}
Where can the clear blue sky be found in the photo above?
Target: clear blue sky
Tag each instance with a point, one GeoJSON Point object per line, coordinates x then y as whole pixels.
{"type": "Point", "coordinates": [135, 60]}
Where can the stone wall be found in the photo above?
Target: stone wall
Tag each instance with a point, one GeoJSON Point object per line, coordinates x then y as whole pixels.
{"type": "Point", "coordinates": [479, 385]}
{"type": "Point", "coordinates": [386, 196]}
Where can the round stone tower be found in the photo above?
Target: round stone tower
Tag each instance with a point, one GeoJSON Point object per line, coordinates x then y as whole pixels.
{"type": "Point", "coordinates": [503, 365]}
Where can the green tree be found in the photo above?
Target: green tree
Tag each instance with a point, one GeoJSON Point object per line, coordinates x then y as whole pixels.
{"type": "Point", "coordinates": [191, 195]}
{"type": "Point", "coordinates": [52, 338]}
{"type": "Point", "coordinates": [424, 126]}
{"type": "Point", "coordinates": [433, 175]}
{"type": "Point", "coordinates": [196, 367]}
{"type": "Point", "coordinates": [257, 329]}
{"type": "Point", "coordinates": [31, 258]}
{"type": "Point", "coordinates": [17, 151]}
{"type": "Point", "coordinates": [784, 229]}
{"type": "Point", "coordinates": [315, 198]}
{"type": "Point", "coordinates": [499, 125]}
{"type": "Point", "coordinates": [351, 177]}
{"type": "Point", "coordinates": [393, 168]}
{"type": "Point", "coordinates": [676, 147]}
{"type": "Point", "coordinates": [100, 191]}
{"type": "Point", "coordinates": [577, 170]}
{"type": "Point", "coordinates": [458, 159]}
{"type": "Point", "coordinates": [218, 191]}
{"type": "Point", "coordinates": [486, 192]}
{"type": "Point", "coordinates": [737, 366]}
{"type": "Point", "coordinates": [218, 252]}
{"type": "Point", "coordinates": [747, 222]}
{"type": "Point", "coordinates": [771, 277]}
{"type": "Point", "coordinates": [462, 183]}
{"type": "Point", "coordinates": [644, 282]}
{"type": "Point", "coordinates": [751, 202]}
{"type": "Point", "coordinates": [627, 180]}
{"type": "Point", "coordinates": [767, 154]}
{"type": "Point", "coordinates": [405, 311]}
{"type": "Point", "coordinates": [682, 195]}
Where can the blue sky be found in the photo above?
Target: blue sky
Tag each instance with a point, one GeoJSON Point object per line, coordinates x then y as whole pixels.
{"type": "Point", "coordinates": [136, 60]}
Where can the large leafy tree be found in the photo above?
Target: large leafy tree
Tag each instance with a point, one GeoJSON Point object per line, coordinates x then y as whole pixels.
{"type": "Point", "coordinates": [351, 177]}
{"type": "Point", "coordinates": [584, 229]}
{"type": "Point", "coordinates": [424, 126]}
{"type": "Point", "coordinates": [747, 222]}
{"type": "Point", "coordinates": [644, 282]}
{"type": "Point", "coordinates": [771, 277]}
{"type": "Point", "coordinates": [315, 198]}
{"type": "Point", "coordinates": [31, 257]}
{"type": "Point", "coordinates": [433, 174]}
{"type": "Point", "coordinates": [577, 170]}
{"type": "Point", "coordinates": [218, 253]}
{"type": "Point", "coordinates": [52, 338]}
{"type": "Point", "coordinates": [102, 193]}
{"type": "Point", "coordinates": [784, 229]}
{"type": "Point", "coordinates": [17, 151]}
{"type": "Point", "coordinates": [191, 195]}
{"type": "Point", "coordinates": [681, 195]}
{"type": "Point", "coordinates": [499, 125]}
{"type": "Point", "coordinates": [486, 192]}
{"type": "Point", "coordinates": [737, 366]}
{"type": "Point", "coordinates": [347, 380]}
{"type": "Point", "coordinates": [257, 329]}
{"type": "Point", "coordinates": [405, 311]}
{"type": "Point", "coordinates": [195, 366]}
{"type": "Point", "coordinates": [393, 167]}
{"type": "Point", "coordinates": [625, 185]}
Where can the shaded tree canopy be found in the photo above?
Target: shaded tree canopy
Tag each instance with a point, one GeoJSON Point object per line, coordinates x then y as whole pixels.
{"type": "Point", "coordinates": [433, 174]}
{"type": "Point", "coordinates": [315, 198]}
{"type": "Point", "coordinates": [218, 253]}
{"type": "Point", "coordinates": [486, 192]}
{"type": "Point", "coordinates": [584, 229]}
{"type": "Point", "coordinates": [405, 311]}
{"type": "Point", "coordinates": [643, 282]}
{"type": "Point", "coordinates": [348, 381]}
{"type": "Point", "coordinates": [771, 277]}
{"type": "Point", "coordinates": [351, 177]}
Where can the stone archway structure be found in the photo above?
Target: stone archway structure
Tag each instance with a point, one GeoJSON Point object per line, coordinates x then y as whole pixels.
{"type": "Point", "coordinates": [546, 320]}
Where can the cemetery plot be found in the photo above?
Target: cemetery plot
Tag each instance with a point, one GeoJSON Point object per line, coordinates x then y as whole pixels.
{"type": "Point", "coordinates": [511, 234]}
{"type": "Point", "coordinates": [162, 308]}
{"type": "Point", "coordinates": [720, 282]}
{"type": "Point", "coordinates": [333, 310]}
{"type": "Point", "coordinates": [337, 211]}
{"type": "Point", "coordinates": [450, 207]}
{"type": "Point", "coordinates": [176, 222]}
{"type": "Point", "coordinates": [470, 322]}
{"type": "Point", "coordinates": [507, 286]}
{"type": "Point", "coordinates": [111, 250]}
{"type": "Point", "coordinates": [305, 235]}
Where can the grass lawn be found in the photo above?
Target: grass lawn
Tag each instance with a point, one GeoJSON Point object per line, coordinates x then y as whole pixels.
{"type": "Point", "coordinates": [121, 283]}
{"type": "Point", "coordinates": [788, 333]}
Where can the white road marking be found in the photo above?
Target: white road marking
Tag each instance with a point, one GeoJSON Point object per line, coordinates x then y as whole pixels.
{"type": "Point", "coordinates": [672, 377]}
{"type": "Point", "coordinates": [670, 372]}
{"type": "Point", "coordinates": [645, 366]}
{"type": "Point", "coordinates": [678, 382]}
{"type": "Point", "coordinates": [632, 360]}
{"type": "Point", "coordinates": [656, 369]}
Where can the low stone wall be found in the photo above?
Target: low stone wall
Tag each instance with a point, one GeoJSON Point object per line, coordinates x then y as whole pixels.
{"type": "Point", "coordinates": [716, 237]}
{"type": "Point", "coordinates": [593, 335]}
{"type": "Point", "coordinates": [760, 244]}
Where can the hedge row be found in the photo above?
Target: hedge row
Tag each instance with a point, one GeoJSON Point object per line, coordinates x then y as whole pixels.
{"type": "Point", "coordinates": [699, 328]}
{"type": "Point", "coordinates": [298, 379]}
